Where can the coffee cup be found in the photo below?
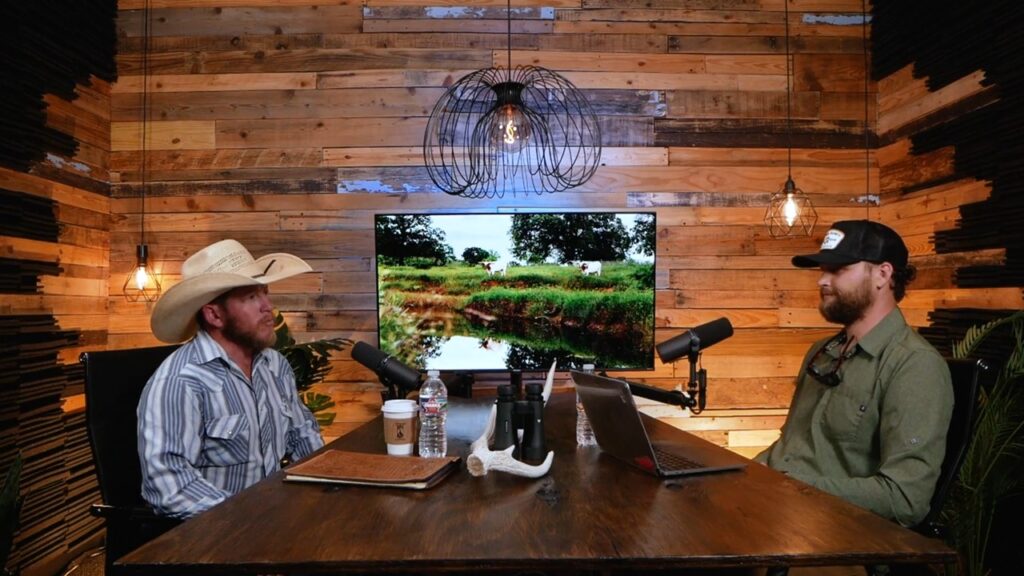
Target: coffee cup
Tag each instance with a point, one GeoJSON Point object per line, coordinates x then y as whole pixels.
{"type": "Point", "coordinates": [400, 426]}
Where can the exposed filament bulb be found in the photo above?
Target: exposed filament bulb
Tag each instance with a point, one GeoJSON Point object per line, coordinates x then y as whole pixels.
{"type": "Point", "coordinates": [509, 129]}
{"type": "Point", "coordinates": [790, 210]}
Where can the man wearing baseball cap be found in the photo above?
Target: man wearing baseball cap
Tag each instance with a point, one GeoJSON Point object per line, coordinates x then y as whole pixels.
{"type": "Point", "coordinates": [222, 411]}
{"type": "Point", "coordinates": [872, 404]}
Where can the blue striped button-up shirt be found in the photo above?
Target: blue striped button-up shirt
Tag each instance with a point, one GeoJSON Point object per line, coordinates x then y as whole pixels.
{"type": "Point", "coordinates": [207, 432]}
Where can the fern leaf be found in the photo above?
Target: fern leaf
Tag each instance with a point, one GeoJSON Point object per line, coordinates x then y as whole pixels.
{"type": "Point", "coordinates": [975, 336]}
{"type": "Point", "coordinates": [991, 470]}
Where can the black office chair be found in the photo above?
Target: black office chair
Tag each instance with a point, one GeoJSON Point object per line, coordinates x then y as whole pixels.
{"type": "Point", "coordinates": [966, 375]}
{"type": "Point", "coordinates": [114, 380]}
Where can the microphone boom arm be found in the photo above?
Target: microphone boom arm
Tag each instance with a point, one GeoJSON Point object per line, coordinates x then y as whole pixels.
{"type": "Point", "coordinates": [673, 397]}
{"type": "Point", "coordinates": [695, 397]}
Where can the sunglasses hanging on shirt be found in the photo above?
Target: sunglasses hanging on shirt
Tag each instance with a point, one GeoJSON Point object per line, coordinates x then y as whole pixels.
{"type": "Point", "coordinates": [823, 367]}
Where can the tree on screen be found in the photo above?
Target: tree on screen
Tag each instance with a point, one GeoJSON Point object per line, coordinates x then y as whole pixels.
{"type": "Point", "coordinates": [410, 239]}
{"type": "Point", "coordinates": [644, 234]}
{"type": "Point", "coordinates": [475, 255]}
{"type": "Point", "coordinates": [569, 237]}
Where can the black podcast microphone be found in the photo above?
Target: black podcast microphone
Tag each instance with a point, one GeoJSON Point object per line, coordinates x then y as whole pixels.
{"type": "Point", "coordinates": [699, 338]}
{"type": "Point", "coordinates": [391, 372]}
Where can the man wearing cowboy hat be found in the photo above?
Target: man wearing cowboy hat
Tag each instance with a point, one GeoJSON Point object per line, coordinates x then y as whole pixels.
{"type": "Point", "coordinates": [872, 404]}
{"type": "Point", "coordinates": [221, 412]}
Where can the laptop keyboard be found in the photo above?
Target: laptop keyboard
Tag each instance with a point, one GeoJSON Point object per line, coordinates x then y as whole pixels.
{"type": "Point", "coordinates": [672, 461]}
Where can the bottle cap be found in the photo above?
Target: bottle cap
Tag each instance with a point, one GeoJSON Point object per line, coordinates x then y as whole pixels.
{"type": "Point", "coordinates": [433, 373]}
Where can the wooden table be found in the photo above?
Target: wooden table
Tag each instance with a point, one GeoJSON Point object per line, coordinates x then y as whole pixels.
{"type": "Point", "coordinates": [590, 513]}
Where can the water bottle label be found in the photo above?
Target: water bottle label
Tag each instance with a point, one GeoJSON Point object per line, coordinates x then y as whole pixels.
{"type": "Point", "coordinates": [433, 406]}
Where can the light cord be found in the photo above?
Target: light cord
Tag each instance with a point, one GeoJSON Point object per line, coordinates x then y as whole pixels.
{"type": "Point", "coordinates": [146, 34]}
{"type": "Point", "coordinates": [508, 21]}
{"type": "Point", "coordinates": [867, 134]}
{"type": "Point", "coordinates": [789, 115]}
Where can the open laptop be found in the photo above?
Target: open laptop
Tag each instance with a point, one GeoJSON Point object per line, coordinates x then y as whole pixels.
{"type": "Point", "coordinates": [619, 430]}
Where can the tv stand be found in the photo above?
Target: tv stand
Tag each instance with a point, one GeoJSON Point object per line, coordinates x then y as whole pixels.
{"type": "Point", "coordinates": [461, 384]}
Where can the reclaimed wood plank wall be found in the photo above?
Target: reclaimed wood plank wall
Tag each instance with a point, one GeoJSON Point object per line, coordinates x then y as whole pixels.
{"type": "Point", "coordinates": [287, 125]}
{"type": "Point", "coordinates": [79, 187]}
{"type": "Point", "coordinates": [922, 193]}
{"type": "Point", "coordinates": [58, 482]}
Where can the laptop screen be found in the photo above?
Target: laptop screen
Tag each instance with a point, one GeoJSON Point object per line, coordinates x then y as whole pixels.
{"type": "Point", "coordinates": [619, 429]}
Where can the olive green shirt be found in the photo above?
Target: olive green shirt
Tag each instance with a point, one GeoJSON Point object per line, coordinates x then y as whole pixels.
{"type": "Point", "coordinates": [878, 438]}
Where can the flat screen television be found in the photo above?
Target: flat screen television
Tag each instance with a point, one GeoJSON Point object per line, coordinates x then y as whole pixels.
{"type": "Point", "coordinates": [514, 292]}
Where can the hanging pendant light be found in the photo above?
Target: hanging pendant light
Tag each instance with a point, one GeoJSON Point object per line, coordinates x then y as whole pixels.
{"type": "Point", "coordinates": [522, 130]}
{"type": "Point", "coordinates": [142, 283]}
{"type": "Point", "coordinates": [790, 211]}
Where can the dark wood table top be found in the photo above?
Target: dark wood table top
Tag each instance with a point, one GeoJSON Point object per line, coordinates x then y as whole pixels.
{"type": "Point", "coordinates": [589, 512]}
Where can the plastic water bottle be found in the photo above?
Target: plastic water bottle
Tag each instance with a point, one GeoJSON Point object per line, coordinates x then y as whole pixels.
{"type": "Point", "coordinates": [433, 413]}
{"type": "Point", "coordinates": [584, 433]}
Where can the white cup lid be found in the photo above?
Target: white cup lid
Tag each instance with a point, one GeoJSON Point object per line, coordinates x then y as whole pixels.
{"type": "Point", "coordinates": [399, 406]}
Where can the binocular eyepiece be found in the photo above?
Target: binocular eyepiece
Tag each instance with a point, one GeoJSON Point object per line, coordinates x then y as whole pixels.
{"type": "Point", "coordinates": [526, 415]}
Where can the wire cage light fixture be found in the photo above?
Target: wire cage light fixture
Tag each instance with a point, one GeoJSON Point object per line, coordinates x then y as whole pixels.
{"type": "Point", "coordinates": [790, 211]}
{"type": "Point", "coordinates": [142, 283]}
{"type": "Point", "coordinates": [521, 130]}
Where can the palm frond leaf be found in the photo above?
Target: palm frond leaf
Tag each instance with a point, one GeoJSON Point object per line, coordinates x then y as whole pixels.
{"type": "Point", "coordinates": [992, 470]}
{"type": "Point", "coordinates": [311, 363]}
{"type": "Point", "coordinates": [975, 335]}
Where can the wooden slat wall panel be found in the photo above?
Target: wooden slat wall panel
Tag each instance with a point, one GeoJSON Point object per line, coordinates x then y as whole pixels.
{"type": "Point", "coordinates": [289, 134]}
{"type": "Point", "coordinates": [923, 193]}
{"type": "Point", "coordinates": [82, 251]}
{"type": "Point", "coordinates": [56, 526]}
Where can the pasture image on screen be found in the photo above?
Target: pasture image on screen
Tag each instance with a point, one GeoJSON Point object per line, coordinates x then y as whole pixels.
{"type": "Point", "coordinates": [517, 291]}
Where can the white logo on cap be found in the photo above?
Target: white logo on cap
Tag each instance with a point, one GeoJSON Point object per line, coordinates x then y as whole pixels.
{"type": "Point", "coordinates": [832, 239]}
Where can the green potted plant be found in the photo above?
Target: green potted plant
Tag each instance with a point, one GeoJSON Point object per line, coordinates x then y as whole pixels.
{"type": "Point", "coordinates": [311, 362]}
{"type": "Point", "coordinates": [10, 506]}
{"type": "Point", "coordinates": [992, 470]}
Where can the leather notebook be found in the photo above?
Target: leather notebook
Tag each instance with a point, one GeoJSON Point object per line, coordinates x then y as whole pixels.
{"type": "Point", "coordinates": [366, 469]}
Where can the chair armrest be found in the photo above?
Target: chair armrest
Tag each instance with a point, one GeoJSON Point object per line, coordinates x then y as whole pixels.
{"type": "Point", "coordinates": [932, 529]}
{"type": "Point", "coordinates": [125, 512]}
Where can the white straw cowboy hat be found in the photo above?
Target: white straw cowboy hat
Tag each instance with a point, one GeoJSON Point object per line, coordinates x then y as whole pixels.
{"type": "Point", "coordinates": [210, 272]}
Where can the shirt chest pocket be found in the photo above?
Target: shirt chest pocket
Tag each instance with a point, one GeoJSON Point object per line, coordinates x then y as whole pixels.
{"type": "Point", "coordinates": [846, 412]}
{"type": "Point", "coordinates": [226, 441]}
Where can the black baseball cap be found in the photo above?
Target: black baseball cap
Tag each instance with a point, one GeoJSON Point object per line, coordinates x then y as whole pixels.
{"type": "Point", "coordinates": [852, 241]}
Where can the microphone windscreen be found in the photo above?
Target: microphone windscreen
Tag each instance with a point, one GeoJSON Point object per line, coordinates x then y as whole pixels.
{"type": "Point", "coordinates": [713, 332]}
{"type": "Point", "coordinates": [368, 355]}
{"type": "Point", "coordinates": [675, 347]}
{"type": "Point", "coordinates": [393, 371]}
{"type": "Point", "coordinates": [709, 334]}
{"type": "Point", "coordinates": [388, 369]}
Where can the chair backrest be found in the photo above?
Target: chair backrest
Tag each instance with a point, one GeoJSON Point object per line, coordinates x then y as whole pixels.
{"type": "Point", "coordinates": [966, 375]}
{"type": "Point", "coordinates": [114, 380]}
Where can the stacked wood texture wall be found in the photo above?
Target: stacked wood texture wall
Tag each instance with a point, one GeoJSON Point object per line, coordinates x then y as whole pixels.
{"type": "Point", "coordinates": [922, 193]}
{"type": "Point", "coordinates": [70, 288]}
{"type": "Point", "coordinates": [948, 117]}
{"type": "Point", "coordinates": [287, 125]}
{"type": "Point", "coordinates": [54, 239]}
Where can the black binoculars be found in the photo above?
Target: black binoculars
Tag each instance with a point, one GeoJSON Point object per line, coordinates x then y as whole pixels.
{"type": "Point", "coordinates": [526, 415]}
